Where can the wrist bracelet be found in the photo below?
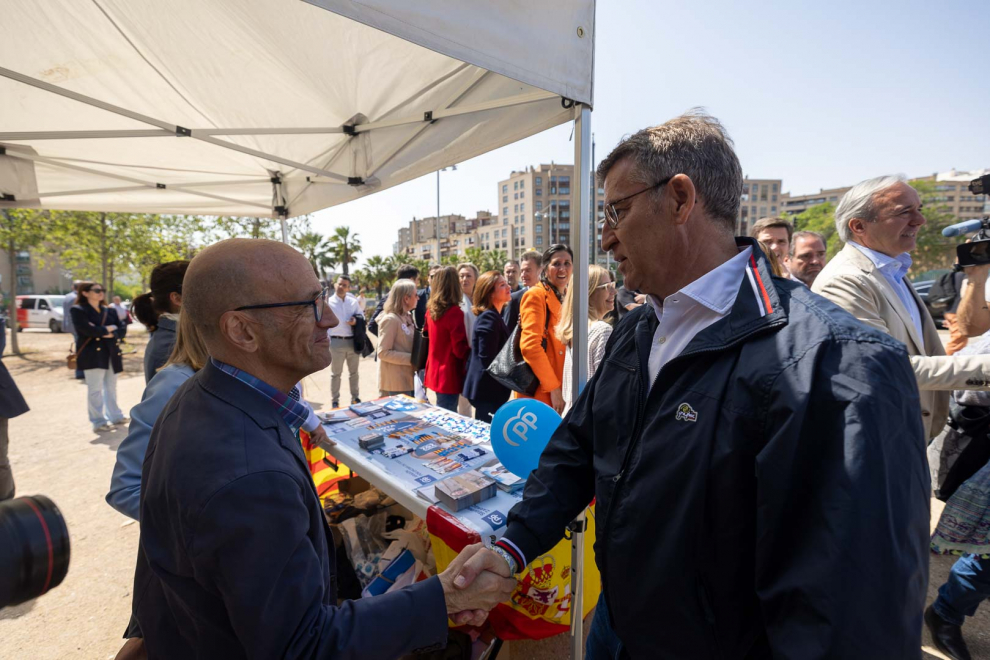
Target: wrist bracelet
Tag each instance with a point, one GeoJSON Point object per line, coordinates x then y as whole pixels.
{"type": "Point", "coordinates": [507, 557]}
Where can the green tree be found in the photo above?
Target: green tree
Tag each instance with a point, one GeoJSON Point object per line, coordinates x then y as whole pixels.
{"type": "Point", "coordinates": [378, 272]}
{"type": "Point", "coordinates": [820, 218]}
{"type": "Point", "coordinates": [933, 250]}
{"type": "Point", "coordinates": [316, 249]}
{"type": "Point", "coordinates": [346, 247]}
{"type": "Point", "coordinates": [20, 229]}
{"type": "Point", "coordinates": [486, 260]}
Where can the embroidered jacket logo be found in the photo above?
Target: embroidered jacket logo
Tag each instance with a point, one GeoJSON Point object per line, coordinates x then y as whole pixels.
{"type": "Point", "coordinates": [685, 413]}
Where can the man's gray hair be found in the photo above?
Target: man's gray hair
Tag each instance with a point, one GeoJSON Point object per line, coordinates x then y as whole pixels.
{"type": "Point", "coordinates": [807, 234]}
{"type": "Point", "coordinates": [695, 144]}
{"type": "Point", "coordinates": [858, 202]}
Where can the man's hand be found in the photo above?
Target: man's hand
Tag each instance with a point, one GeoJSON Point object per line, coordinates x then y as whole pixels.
{"type": "Point", "coordinates": [977, 273]}
{"type": "Point", "coordinates": [640, 298]}
{"type": "Point", "coordinates": [485, 584]}
{"type": "Point", "coordinates": [352, 321]}
{"type": "Point", "coordinates": [320, 438]}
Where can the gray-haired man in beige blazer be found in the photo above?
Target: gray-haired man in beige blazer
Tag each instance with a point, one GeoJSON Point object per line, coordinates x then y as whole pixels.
{"type": "Point", "coordinates": [879, 220]}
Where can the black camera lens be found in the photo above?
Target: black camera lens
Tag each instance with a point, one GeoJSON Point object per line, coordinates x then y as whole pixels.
{"type": "Point", "coordinates": [34, 548]}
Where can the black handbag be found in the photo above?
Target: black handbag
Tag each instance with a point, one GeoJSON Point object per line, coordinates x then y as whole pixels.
{"type": "Point", "coordinates": [965, 448]}
{"type": "Point", "coordinates": [510, 369]}
{"type": "Point", "coordinates": [420, 348]}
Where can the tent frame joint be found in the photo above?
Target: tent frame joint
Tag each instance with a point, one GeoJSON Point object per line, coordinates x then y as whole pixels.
{"type": "Point", "coordinates": [355, 181]}
{"type": "Point", "coordinates": [349, 129]}
{"type": "Point", "coordinates": [428, 116]}
{"type": "Point", "coordinates": [182, 131]}
{"type": "Point", "coordinates": [160, 186]}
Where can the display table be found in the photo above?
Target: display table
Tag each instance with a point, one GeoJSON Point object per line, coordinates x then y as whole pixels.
{"type": "Point", "coordinates": [424, 444]}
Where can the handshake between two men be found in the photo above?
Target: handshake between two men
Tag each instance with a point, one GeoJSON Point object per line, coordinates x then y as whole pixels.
{"type": "Point", "coordinates": [474, 583]}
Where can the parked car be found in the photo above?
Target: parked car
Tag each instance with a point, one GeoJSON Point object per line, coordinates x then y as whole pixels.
{"type": "Point", "coordinates": [40, 312]}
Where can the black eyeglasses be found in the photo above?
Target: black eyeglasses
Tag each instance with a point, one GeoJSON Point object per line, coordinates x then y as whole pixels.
{"type": "Point", "coordinates": [96, 290]}
{"type": "Point", "coordinates": [319, 303]}
{"type": "Point", "coordinates": [612, 216]}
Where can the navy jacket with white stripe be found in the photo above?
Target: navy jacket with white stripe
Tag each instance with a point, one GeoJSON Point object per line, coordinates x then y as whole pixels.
{"type": "Point", "coordinates": [767, 497]}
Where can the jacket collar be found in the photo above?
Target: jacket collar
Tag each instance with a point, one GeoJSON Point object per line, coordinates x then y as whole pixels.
{"type": "Point", "coordinates": [757, 308]}
{"type": "Point", "coordinates": [252, 403]}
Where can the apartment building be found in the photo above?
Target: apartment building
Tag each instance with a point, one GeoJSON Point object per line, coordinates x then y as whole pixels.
{"type": "Point", "coordinates": [535, 211]}
{"type": "Point", "coordinates": [34, 274]}
{"type": "Point", "coordinates": [794, 204]}
{"type": "Point", "coordinates": [456, 233]}
{"type": "Point", "coordinates": [952, 193]}
{"type": "Point", "coordinates": [760, 199]}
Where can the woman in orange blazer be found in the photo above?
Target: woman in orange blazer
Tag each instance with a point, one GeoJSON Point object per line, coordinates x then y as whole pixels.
{"type": "Point", "coordinates": [544, 298]}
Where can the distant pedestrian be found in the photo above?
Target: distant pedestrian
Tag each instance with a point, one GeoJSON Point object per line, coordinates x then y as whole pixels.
{"type": "Point", "coordinates": [67, 303]}
{"type": "Point", "coordinates": [122, 314]}
{"type": "Point", "coordinates": [159, 311]}
{"type": "Point", "coordinates": [807, 256]}
{"type": "Point", "coordinates": [467, 274]}
{"type": "Point", "coordinates": [529, 276]}
{"type": "Point", "coordinates": [511, 273]}
{"type": "Point", "coordinates": [601, 299]}
{"type": "Point", "coordinates": [486, 394]}
{"type": "Point", "coordinates": [397, 328]}
{"type": "Point", "coordinates": [776, 233]}
{"type": "Point", "coordinates": [346, 308]}
{"type": "Point", "coordinates": [12, 404]}
{"type": "Point", "coordinates": [99, 355]}
{"type": "Point", "coordinates": [446, 360]}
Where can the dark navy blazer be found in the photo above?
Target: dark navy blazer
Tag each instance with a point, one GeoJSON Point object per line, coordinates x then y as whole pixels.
{"type": "Point", "coordinates": [236, 557]}
{"type": "Point", "coordinates": [490, 335]}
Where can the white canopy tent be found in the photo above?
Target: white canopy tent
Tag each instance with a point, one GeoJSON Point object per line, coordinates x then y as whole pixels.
{"type": "Point", "coordinates": [282, 107]}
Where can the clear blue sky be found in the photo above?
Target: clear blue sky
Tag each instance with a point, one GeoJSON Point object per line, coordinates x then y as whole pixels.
{"type": "Point", "coordinates": [817, 94]}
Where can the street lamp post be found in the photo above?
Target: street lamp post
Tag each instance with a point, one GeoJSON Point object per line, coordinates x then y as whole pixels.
{"type": "Point", "coordinates": [436, 224]}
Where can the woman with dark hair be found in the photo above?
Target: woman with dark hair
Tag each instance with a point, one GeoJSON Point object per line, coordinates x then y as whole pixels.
{"type": "Point", "coordinates": [539, 313]}
{"type": "Point", "coordinates": [491, 294]}
{"type": "Point", "coordinates": [99, 356]}
{"type": "Point", "coordinates": [158, 310]}
{"type": "Point", "coordinates": [449, 348]}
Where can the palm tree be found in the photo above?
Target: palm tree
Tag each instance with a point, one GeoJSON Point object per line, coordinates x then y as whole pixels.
{"type": "Point", "coordinates": [378, 271]}
{"type": "Point", "coordinates": [346, 247]}
{"type": "Point", "coordinates": [315, 248]}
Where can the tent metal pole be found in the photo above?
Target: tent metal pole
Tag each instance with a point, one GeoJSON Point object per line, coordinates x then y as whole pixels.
{"type": "Point", "coordinates": [581, 196]}
{"type": "Point", "coordinates": [442, 112]}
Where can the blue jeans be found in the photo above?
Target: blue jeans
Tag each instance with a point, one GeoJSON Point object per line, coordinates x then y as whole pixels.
{"type": "Point", "coordinates": [968, 586]}
{"type": "Point", "coordinates": [447, 401]}
{"type": "Point", "coordinates": [101, 397]}
{"type": "Point", "coordinates": [603, 644]}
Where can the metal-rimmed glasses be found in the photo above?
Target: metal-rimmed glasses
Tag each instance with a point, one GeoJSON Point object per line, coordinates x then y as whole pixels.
{"type": "Point", "coordinates": [612, 216]}
{"type": "Point", "coordinates": [319, 304]}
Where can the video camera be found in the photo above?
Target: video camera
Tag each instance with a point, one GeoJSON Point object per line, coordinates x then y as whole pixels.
{"type": "Point", "coordinates": [34, 548]}
{"type": "Point", "coordinates": [977, 251]}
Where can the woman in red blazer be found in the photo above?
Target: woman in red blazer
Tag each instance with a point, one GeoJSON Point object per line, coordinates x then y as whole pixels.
{"type": "Point", "coordinates": [446, 361]}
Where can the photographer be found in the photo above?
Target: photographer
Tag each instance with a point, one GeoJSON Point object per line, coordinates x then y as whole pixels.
{"type": "Point", "coordinates": [972, 314]}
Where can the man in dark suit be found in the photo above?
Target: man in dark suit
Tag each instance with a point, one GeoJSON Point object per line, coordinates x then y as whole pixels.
{"type": "Point", "coordinates": [12, 404]}
{"type": "Point", "coordinates": [529, 273]}
{"type": "Point", "coordinates": [236, 558]}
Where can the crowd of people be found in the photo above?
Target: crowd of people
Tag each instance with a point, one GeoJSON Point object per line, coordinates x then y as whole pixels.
{"type": "Point", "coordinates": [761, 431]}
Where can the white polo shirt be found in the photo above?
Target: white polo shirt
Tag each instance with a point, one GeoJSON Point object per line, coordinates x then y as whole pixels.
{"type": "Point", "coordinates": [344, 310]}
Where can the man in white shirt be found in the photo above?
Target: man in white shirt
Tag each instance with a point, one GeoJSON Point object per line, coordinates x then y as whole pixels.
{"type": "Point", "coordinates": [468, 275]}
{"type": "Point", "coordinates": [345, 307]}
{"type": "Point", "coordinates": [776, 234]}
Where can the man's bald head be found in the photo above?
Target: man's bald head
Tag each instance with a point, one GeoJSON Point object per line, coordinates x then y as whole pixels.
{"type": "Point", "coordinates": [235, 273]}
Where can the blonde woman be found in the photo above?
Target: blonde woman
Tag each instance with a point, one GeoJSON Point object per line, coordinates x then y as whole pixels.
{"type": "Point", "coordinates": [601, 298]}
{"type": "Point", "coordinates": [396, 329]}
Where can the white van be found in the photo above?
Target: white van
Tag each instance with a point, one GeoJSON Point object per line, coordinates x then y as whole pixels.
{"type": "Point", "coordinates": [40, 312]}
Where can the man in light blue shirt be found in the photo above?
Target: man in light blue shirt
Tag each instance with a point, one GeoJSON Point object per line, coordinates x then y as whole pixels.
{"type": "Point", "coordinates": [895, 270]}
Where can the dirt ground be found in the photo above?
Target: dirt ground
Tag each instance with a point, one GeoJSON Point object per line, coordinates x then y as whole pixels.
{"type": "Point", "coordinates": [54, 453]}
